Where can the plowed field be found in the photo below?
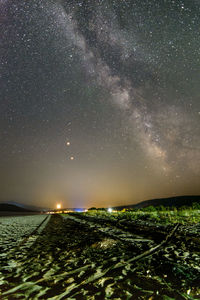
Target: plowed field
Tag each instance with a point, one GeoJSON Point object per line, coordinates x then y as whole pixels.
{"type": "Point", "coordinates": [79, 257]}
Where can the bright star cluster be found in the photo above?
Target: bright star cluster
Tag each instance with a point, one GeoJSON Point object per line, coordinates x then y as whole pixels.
{"type": "Point", "coordinates": [99, 100]}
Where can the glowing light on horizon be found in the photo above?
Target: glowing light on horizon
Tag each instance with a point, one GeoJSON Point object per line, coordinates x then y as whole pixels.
{"type": "Point", "coordinates": [110, 210]}
{"type": "Point", "coordinates": [58, 206]}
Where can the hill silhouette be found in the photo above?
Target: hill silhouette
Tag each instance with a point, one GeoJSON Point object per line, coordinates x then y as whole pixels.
{"type": "Point", "coordinates": [177, 201]}
{"type": "Point", "coordinates": [13, 208]}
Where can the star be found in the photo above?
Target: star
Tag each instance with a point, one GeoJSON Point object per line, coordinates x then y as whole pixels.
{"type": "Point", "coordinates": [103, 84]}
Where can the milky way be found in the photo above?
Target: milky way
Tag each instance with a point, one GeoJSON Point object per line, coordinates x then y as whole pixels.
{"type": "Point", "coordinates": [100, 100]}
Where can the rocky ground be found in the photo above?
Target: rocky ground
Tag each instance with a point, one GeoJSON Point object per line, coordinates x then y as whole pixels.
{"type": "Point", "coordinates": [75, 257]}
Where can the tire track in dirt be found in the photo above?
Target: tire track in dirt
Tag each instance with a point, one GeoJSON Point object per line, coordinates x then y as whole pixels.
{"type": "Point", "coordinates": [113, 232]}
{"type": "Point", "coordinates": [71, 260]}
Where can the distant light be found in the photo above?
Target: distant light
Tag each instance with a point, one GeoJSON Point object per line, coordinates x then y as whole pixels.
{"type": "Point", "coordinates": [110, 209]}
{"type": "Point", "coordinates": [79, 210]}
{"type": "Point", "coordinates": [68, 143]}
{"type": "Point", "coordinates": [58, 206]}
{"type": "Point", "coordinates": [72, 158]}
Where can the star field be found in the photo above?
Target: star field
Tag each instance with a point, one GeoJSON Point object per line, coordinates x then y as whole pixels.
{"type": "Point", "coordinates": [99, 100]}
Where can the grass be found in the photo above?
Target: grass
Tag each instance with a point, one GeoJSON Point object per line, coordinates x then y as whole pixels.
{"type": "Point", "coordinates": [184, 216]}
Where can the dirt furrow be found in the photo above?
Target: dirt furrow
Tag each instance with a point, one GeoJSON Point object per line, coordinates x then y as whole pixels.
{"type": "Point", "coordinates": [72, 260]}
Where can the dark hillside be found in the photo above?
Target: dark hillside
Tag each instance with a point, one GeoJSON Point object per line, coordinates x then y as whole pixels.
{"type": "Point", "coordinates": [13, 208]}
{"type": "Point", "coordinates": [166, 202]}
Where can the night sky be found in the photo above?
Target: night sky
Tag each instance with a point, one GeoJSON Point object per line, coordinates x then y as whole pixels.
{"type": "Point", "coordinates": [100, 101]}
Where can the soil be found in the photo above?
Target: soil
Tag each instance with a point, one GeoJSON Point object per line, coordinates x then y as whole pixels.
{"type": "Point", "coordinates": [76, 258]}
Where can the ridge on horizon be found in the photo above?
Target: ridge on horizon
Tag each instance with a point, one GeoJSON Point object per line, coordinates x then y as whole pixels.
{"type": "Point", "coordinates": [176, 201]}
{"type": "Point", "coordinates": [167, 201]}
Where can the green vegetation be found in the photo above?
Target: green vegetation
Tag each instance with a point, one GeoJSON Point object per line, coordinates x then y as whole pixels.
{"type": "Point", "coordinates": [159, 214]}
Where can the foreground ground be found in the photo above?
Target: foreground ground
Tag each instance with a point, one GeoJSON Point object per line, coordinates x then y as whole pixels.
{"type": "Point", "coordinates": [98, 257]}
